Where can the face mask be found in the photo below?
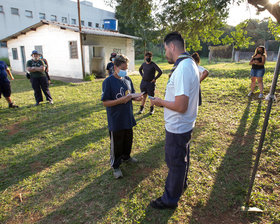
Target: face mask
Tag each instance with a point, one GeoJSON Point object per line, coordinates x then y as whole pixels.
{"type": "Point", "coordinates": [259, 52]}
{"type": "Point", "coordinates": [148, 59]}
{"type": "Point", "coordinates": [113, 59]}
{"type": "Point", "coordinates": [122, 73]}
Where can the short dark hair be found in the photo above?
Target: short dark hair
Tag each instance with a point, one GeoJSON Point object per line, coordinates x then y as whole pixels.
{"type": "Point", "coordinates": [149, 53]}
{"type": "Point", "coordinates": [120, 59]}
{"type": "Point", "coordinates": [176, 38]}
{"type": "Point", "coordinates": [196, 57]}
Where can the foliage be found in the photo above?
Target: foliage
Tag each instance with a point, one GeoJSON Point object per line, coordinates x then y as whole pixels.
{"type": "Point", "coordinates": [6, 60]}
{"type": "Point", "coordinates": [90, 77]}
{"type": "Point", "coordinates": [275, 29]}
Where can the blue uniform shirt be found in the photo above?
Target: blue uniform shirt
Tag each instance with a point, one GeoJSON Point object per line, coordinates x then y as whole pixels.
{"type": "Point", "coordinates": [3, 73]}
{"type": "Point", "coordinates": [119, 117]}
{"type": "Point", "coordinates": [110, 68]}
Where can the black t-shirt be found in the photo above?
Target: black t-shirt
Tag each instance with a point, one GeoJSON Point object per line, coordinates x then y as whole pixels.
{"type": "Point", "coordinates": [110, 68]}
{"type": "Point", "coordinates": [257, 66]}
{"type": "Point", "coordinates": [148, 71]}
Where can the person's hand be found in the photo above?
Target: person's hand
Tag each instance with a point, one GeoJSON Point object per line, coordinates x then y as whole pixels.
{"type": "Point", "coordinates": [138, 98]}
{"type": "Point", "coordinates": [126, 98]}
{"type": "Point", "coordinates": [153, 81]}
{"type": "Point", "coordinates": [157, 102]}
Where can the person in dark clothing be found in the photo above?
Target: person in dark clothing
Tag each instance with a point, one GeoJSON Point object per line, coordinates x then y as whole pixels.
{"type": "Point", "coordinates": [110, 65]}
{"type": "Point", "coordinates": [117, 95]}
{"type": "Point", "coordinates": [147, 71]}
{"type": "Point", "coordinates": [5, 87]}
{"type": "Point", "coordinates": [38, 79]}
{"type": "Point", "coordinates": [46, 67]}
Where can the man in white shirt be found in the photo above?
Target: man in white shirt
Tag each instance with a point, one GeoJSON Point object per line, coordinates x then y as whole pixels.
{"type": "Point", "coordinates": [180, 111]}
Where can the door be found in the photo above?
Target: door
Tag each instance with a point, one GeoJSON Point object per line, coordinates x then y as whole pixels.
{"type": "Point", "coordinates": [22, 49]}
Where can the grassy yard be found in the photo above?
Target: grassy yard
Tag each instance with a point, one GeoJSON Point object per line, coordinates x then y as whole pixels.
{"type": "Point", "coordinates": [54, 164]}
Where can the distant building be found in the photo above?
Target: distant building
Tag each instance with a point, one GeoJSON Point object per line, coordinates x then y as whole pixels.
{"type": "Point", "coordinates": [60, 45]}
{"type": "Point", "coordinates": [16, 15]}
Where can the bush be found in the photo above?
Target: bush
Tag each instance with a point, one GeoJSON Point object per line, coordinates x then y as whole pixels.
{"type": "Point", "coordinates": [6, 60]}
{"type": "Point", "coordinates": [89, 77]}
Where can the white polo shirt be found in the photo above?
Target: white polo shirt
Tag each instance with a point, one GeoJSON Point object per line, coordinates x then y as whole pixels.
{"type": "Point", "coordinates": [184, 81]}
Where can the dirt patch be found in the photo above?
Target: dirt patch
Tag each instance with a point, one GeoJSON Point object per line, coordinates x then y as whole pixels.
{"type": "Point", "coordinates": [15, 128]}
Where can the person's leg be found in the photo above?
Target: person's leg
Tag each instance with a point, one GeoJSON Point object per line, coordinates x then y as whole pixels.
{"type": "Point", "coordinates": [253, 83]}
{"type": "Point", "coordinates": [45, 87]}
{"type": "Point", "coordinates": [151, 92]}
{"type": "Point", "coordinates": [260, 84]}
{"type": "Point", "coordinates": [128, 139]}
{"type": "Point", "coordinates": [35, 82]}
{"type": "Point", "coordinates": [6, 89]}
{"type": "Point", "coordinates": [176, 152]}
{"type": "Point", "coordinates": [143, 101]}
{"type": "Point", "coordinates": [117, 139]}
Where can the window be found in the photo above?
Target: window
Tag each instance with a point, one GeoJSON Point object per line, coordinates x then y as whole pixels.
{"type": "Point", "coordinates": [42, 15]}
{"type": "Point", "coordinates": [97, 25]}
{"type": "Point", "coordinates": [39, 48]}
{"type": "Point", "coordinates": [14, 11]}
{"type": "Point", "coordinates": [82, 22]}
{"type": "Point", "coordinates": [3, 44]}
{"type": "Point", "coordinates": [28, 13]}
{"type": "Point", "coordinates": [53, 18]}
{"type": "Point", "coordinates": [1, 8]}
{"type": "Point", "coordinates": [102, 25]}
{"type": "Point", "coordinates": [64, 19]}
{"type": "Point", "coordinates": [73, 49]}
{"type": "Point", "coordinates": [15, 53]}
{"type": "Point", "coordinates": [90, 24]}
{"type": "Point", "coordinates": [73, 21]}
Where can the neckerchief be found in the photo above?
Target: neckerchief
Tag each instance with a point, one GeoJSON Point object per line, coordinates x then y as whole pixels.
{"type": "Point", "coordinates": [179, 59]}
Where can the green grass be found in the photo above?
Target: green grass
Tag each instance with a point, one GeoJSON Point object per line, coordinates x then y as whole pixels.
{"type": "Point", "coordinates": [54, 164]}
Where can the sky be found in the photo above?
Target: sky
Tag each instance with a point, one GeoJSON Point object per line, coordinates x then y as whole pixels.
{"type": "Point", "coordinates": [237, 14]}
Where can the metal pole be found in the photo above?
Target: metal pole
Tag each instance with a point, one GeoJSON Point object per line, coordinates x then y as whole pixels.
{"type": "Point", "coordinates": [269, 105]}
{"type": "Point", "coordinates": [81, 43]}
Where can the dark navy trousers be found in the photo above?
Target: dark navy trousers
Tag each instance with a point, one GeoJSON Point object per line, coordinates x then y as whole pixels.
{"type": "Point", "coordinates": [40, 84]}
{"type": "Point", "coordinates": [177, 158]}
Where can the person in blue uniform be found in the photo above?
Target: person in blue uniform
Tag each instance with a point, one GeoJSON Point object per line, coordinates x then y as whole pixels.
{"type": "Point", "coordinates": [117, 95]}
{"type": "Point", "coordinates": [110, 65]}
{"type": "Point", "coordinates": [5, 87]}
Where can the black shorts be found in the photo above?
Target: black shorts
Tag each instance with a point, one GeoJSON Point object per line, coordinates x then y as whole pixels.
{"type": "Point", "coordinates": [5, 89]}
{"type": "Point", "coordinates": [148, 87]}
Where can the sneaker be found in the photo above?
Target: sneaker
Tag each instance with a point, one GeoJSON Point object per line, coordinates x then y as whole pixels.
{"type": "Point", "coordinates": [11, 105]}
{"type": "Point", "coordinates": [37, 104]}
{"type": "Point", "coordinates": [158, 204]}
{"type": "Point", "coordinates": [140, 110]}
{"type": "Point", "coordinates": [118, 173]}
{"type": "Point", "coordinates": [152, 110]}
{"type": "Point", "coordinates": [131, 160]}
{"type": "Point", "coordinates": [260, 96]}
{"type": "Point", "coordinates": [51, 102]}
{"type": "Point", "coordinates": [250, 94]}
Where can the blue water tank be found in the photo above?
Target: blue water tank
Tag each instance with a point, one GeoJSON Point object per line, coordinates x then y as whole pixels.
{"type": "Point", "coordinates": [111, 24]}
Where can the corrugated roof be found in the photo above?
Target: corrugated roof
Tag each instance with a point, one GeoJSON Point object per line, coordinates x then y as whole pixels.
{"type": "Point", "coordinates": [85, 30]}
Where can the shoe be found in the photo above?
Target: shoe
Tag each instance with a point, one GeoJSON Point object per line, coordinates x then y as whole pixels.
{"type": "Point", "coordinates": [131, 160]}
{"type": "Point", "coordinates": [37, 104]}
{"type": "Point", "coordinates": [158, 204]}
{"type": "Point", "coordinates": [140, 110]}
{"type": "Point", "coordinates": [118, 173]}
{"type": "Point", "coordinates": [250, 94]}
{"type": "Point", "coordinates": [151, 110]}
{"type": "Point", "coordinates": [51, 102]}
{"type": "Point", "coordinates": [260, 96]}
{"type": "Point", "coordinates": [11, 105]}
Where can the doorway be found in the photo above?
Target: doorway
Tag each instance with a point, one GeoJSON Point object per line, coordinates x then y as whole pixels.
{"type": "Point", "coordinates": [22, 49]}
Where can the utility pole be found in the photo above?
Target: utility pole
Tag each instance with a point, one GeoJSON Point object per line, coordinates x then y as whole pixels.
{"type": "Point", "coordinates": [81, 39]}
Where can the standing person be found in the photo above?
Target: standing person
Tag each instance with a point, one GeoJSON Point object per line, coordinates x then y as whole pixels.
{"type": "Point", "coordinates": [180, 111]}
{"type": "Point", "coordinates": [203, 73]}
{"type": "Point", "coordinates": [38, 78]}
{"type": "Point", "coordinates": [46, 67]}
{"type": "Point", "coordinates": [117, 95]}
{"type": "Point", "coordinates": [5, 86]}
{"type": "Point", "coordinates": [148, 70]}
{"type": "Point", "coordinates": [258, 70]}
{"type": "Point", "coordinates": [110, 65]}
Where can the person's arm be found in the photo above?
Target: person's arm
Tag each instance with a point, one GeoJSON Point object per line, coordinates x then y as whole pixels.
{"type": "Point", "coordinates": [122, 100]}
{"type": "Point", "coordinates": [158, 70]}
{"type": "Point", "coordinates": [261, 63]}
{"type": "Point", "coordinates": [36, 69]}
{"type": "Point", "coordinates": [141, 70]}
{"type": "Point", "coordinates": [47, 65]}
{"type": "Point", "coordinates": [179, 105]}
{"type": "Point", "coordinates": [9, 73]}
{"type": "Point", "coordinates": [252, 61]}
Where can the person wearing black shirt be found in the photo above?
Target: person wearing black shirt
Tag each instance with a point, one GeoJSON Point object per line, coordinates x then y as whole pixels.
{"type": "Point", "coordinates": [147, 71]}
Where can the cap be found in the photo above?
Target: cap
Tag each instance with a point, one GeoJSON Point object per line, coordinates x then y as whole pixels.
{"type": "Point", "coordinates": [113, 55]}
{"type": "Point", "coordinates": [34, 52]}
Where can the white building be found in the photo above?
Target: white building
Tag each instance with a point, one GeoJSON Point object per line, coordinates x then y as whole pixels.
{"type": "Point", "coordinates": [60, 45]}
{"type": "Point", "coordinates": [16, 15]}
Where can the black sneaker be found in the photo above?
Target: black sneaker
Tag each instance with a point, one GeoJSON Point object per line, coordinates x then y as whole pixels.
{"type": "Point", "coordinates": [158, 204]}
{"type": "Point", "coordinates": [152, 110]}
{"type": "Point", "coordinates": [37, 104]}
{"type": "Point", "coordinates": [11, 105]}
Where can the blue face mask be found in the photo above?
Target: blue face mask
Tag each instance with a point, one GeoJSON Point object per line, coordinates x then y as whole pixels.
{"type": "Point", "coordinates": [122, 73]}
{"type": "Point", "coordinates": [113, 59]}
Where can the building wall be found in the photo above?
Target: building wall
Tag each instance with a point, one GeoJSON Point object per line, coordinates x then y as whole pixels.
{"type": "Point", "coordinates": [11, 24]}
{"type": "Point", "coordinates": [55, 44]}
{"type": "Point", "coordinates": [113, 44]}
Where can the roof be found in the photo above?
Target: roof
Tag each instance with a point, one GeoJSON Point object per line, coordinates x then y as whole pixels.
{"type": "Point", "coordinates": [85, 30]}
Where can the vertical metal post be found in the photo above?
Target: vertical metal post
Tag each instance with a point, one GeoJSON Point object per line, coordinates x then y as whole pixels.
{"type": "Point", "coordinates": [269, 105]}
{"type": "Point", "coordinates": [81, 39]}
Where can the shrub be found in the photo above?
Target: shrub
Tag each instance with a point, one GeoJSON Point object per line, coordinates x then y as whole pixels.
{"type": "Point", "coordinates": [6, 60]}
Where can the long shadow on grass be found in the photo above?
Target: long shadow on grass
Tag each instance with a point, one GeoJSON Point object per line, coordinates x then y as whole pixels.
{"type": "Point", "coordinates": [237, 74]}
{"type": "Point", "coordinates": [93, 203]}
{"type": "Point", "coordinates": [233, 175]}
{"type": "Point", "coordinates": [33, 164]}
{"type": "Point", "coordinates": [46, 117]}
